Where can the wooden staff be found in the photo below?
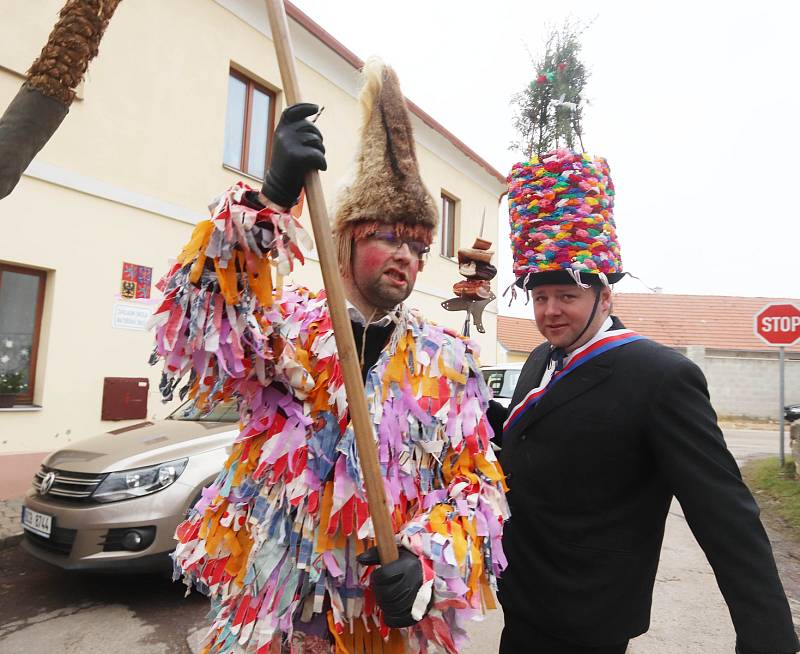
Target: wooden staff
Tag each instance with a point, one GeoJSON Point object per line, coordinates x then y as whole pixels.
{"type": "Point", "coordinates": [345, 344]}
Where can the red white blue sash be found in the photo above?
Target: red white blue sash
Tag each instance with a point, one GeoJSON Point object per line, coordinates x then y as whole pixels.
{"type": "Point", "coordinates": [601, 343]}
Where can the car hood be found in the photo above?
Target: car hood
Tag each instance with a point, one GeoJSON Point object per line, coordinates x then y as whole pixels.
{"type": "Point", "coordinates": [143, 444]}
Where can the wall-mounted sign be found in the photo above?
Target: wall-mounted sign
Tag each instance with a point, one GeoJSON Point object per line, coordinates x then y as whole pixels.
{"type": "Point", "coordinates": [136, 281]}
{"type": "Point", "coordinates": [127, 315]}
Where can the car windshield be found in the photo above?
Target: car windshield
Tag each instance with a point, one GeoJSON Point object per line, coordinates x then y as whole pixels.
{"type": "Point", "coordinates": [223, 412]}
{"type": "Point", "coordinates": [502, 382]}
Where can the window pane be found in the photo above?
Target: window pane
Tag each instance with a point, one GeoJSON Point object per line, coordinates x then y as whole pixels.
{"type": "Point", "coordinates": [448, 226]}
{"type": "Point", "coordinates": [259, 134]}
{"type": "Point", "coordinates": [510, 383]}
{"type": "Point", "coordinates": [443, 247]}
{"type": "Point", "coordinates": [18, 298]}
{"type": "Point", "coordinates": [223, 412]}
{"type": "Point", "coordinates": [234, 122]}
{"type": "Point", "coordinates": [451, 228]}
{"type": "Point", "coordinates": [494, 380]}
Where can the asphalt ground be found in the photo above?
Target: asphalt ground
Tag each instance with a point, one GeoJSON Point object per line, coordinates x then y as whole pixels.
{"type": "Point", "coordinates": [45, 609]}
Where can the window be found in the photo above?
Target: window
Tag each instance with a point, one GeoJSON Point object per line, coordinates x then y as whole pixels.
{"type": "Point", "coordinates": [222, 412]}
{"type": "Point", "coordinates": [502, 382]}
{"type": "Point", "coordinates": [21, 300]}
{"type": "Point", "coordinates": [248, 125]}
{"type": "Point", "coordinates": [448, 235]}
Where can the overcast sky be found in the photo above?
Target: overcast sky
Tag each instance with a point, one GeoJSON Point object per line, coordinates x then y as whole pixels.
{"type": "Point", "coordinates": [694, 105]}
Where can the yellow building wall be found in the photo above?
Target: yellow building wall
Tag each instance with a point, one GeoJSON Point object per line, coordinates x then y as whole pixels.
{"type": "Point", "coordinates": [507, 356]}
{"type": "Point", "coordinates": [133, 168]}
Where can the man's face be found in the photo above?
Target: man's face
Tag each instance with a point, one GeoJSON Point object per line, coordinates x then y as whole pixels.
{"type": "Point", "coordinates": [562, 310]}
{"type": "Point", "coordinates": [383, 274]}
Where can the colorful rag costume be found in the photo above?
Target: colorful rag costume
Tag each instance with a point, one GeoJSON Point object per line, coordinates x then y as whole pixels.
{"type": "Point", "coordinates": [273, 540]}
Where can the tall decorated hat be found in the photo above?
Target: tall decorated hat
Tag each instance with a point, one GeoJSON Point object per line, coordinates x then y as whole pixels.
{"type": "Point", "coordinates": [561, 210]}
{"type": "Point", "coordinates": [561, 199]}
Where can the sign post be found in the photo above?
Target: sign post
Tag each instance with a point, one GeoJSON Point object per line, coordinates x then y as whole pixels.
{"type": "Point", "coordinates": [779, 324]}
{"type": "Point", "coordinates": [781, 350]}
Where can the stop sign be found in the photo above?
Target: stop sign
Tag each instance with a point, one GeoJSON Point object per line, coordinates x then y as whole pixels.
{"type": "Point", "coordinates": [778, 324]}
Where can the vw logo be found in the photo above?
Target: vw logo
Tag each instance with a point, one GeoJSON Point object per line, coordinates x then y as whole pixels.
{"type": "Point", "coordinates": [47, 483]}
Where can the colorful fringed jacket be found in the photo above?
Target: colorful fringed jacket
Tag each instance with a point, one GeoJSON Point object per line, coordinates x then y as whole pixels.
{"type": "Point", "coordinates": [273, 540]}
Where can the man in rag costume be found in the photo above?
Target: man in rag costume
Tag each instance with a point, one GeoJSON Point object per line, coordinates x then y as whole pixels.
{"type": "Point", "coordinates": [604, 428]}
{"type": "Point", "coordinates": [282, 541]}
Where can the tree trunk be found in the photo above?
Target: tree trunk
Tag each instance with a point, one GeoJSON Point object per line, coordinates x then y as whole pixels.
{"type": "Point", "coordinates": [49, 89]}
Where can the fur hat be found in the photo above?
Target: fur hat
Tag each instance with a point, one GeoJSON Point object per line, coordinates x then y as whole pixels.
{"type": "Point", "coordinates": [387, 188]}
{"type": "Point", "coordinates": [562, 220]}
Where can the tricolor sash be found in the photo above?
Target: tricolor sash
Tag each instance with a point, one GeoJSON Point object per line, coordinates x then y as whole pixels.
{"type": "Point", "coordinates": [601, 343]}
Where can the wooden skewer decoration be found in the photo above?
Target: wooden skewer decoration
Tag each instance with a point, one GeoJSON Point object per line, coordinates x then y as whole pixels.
{"type": "Point", "coordinates": [345, 344]}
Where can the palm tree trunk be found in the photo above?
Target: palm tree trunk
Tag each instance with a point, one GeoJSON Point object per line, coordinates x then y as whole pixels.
{"type": "Point", "coordinates": [49, 89]}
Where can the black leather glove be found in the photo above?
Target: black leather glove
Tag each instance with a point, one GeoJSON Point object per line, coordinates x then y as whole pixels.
{"type": "Point", "coordinates": [296, 150]}
{"type": "Point", "coordinates": [395, 585]}
{"type": "Point", "coordinates": [497, 414]}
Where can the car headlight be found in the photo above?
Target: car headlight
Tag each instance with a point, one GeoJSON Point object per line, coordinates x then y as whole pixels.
{"type": "Point", "coordinates": [140, 481]}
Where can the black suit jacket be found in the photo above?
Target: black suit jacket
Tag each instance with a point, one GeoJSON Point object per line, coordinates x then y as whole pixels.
{"type": "Point", "coordinates": [592, 470]}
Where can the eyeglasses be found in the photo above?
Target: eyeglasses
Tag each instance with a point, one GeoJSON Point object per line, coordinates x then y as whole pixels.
{"type": "Point", "coordinates": [418, 248]}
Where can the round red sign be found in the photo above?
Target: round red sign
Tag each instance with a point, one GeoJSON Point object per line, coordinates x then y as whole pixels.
{"type": "Point", "coordinates": [778, 324]}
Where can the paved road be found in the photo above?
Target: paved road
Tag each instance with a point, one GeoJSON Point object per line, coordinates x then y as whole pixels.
{"type": "Point", "coordinates": [43, 609]}
{"type": "Point", "coordinates": [750, 443]}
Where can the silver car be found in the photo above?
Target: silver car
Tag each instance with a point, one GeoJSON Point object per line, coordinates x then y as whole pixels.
{"type": "Point", "coordinates": [112, 502]}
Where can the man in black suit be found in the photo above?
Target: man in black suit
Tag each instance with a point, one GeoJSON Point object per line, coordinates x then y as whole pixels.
{"type": "Point", "coordinates": [604, 428]}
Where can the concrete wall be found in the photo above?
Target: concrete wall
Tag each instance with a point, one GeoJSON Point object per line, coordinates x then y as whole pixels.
{"type": "Point", "coordinates": [133, 168]}
{"type": "Point", "coordinates": [746, 383]}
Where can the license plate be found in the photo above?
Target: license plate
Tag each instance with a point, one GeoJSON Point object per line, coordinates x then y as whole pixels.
{"type": "Point", "coordinates": [38, 523]}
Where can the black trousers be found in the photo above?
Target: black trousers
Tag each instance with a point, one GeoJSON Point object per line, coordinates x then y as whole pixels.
{"type": "Point", "coordinates": [520, 637]}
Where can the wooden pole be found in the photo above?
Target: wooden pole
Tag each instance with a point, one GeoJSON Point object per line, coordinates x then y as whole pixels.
{"type": "Point", "coordinates": [356, 399]}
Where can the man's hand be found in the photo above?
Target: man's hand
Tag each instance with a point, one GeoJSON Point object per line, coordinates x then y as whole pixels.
{"type": "Point", "coordinates": [296, 150]}
{"type": "Point", "coordinates": [395, 585]}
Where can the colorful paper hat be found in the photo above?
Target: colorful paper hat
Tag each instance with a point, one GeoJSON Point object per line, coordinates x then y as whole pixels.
{"type": "Point", "coordinates": [562, 226]}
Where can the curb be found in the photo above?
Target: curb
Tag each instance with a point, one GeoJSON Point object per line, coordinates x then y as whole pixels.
{"type": "Point", "coordinates": [10, 522]}
{"type": "Point", "coordinates": [10, 541]}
